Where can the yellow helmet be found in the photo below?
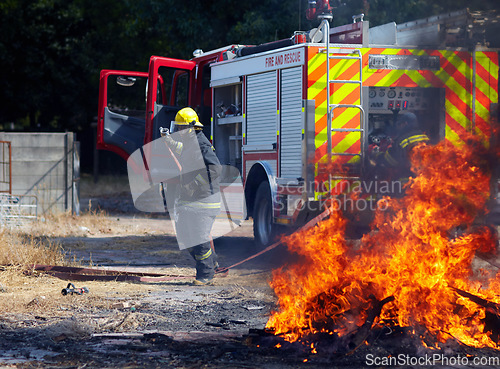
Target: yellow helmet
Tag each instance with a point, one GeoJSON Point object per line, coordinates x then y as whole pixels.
{"type": "Point", "coordinates": [188, 117]}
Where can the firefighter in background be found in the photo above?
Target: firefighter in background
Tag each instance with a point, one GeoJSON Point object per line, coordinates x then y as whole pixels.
{"type": "Point", "coordinates": [394, 163]}
{"type": "Point", "coordinates": [197, 196]}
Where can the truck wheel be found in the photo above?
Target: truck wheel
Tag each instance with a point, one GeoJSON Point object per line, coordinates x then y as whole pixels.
{"type": "Point", "coordinates": [264, 230]}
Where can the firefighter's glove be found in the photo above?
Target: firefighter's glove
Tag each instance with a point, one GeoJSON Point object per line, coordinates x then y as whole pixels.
{"type": "Point", "coordinates": [375, 151]}
{"type": "Point", "coordinates": [164, 132]}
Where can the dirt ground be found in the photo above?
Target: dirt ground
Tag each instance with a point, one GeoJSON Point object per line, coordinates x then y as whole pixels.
{"type": "Point", "coordinates": [169, 324]}
{"type": "Point", "coordinates": [143, 324]}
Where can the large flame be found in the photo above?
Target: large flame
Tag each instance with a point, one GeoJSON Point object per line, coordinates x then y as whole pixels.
{"type": "Point", "coordinates": [411, 254]}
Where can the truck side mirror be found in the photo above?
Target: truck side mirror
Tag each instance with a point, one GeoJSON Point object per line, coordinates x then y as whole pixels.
{"type": "Point", "coordinates": [125, 81]}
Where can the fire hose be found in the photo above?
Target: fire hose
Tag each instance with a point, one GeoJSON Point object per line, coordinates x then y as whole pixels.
{"type": "Point", "coordinates": [94, 274]}
{"type": "Point", "coordinates": [308, 225]}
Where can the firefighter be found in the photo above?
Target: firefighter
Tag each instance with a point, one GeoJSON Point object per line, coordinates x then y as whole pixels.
{"type": "Point", "coordinates": [395, 161]}
{"type": "Point", "coordinates": [197, 197]}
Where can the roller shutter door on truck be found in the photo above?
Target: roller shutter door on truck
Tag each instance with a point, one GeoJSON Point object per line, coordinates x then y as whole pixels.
{"type": "Point", "coordinates": [291, 123]}
{"type": "Point", "coordinates": [261, 117]}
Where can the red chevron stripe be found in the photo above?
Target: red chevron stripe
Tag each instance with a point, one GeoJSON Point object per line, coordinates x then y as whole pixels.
{"type": "Point", "coordinates": [319, 98]}
{"type": "Point", "coordinates": [483, 99]}
{"type": "Point", "coordinates": [483, 126]}
{"type": "Point", "coordinates": [317, 74]}
{"type": "Point", "coordinates": [320, 151]}
{"type": "Point", "coordinates": [457, 101]}
{"type": "Point", "coordinates": [366, 56]}
{"type": "Point", "coordinates": [338, 137]}
{"type": "Point", "coordinates": [351, 98]}
{"type": "Point", "coordinates": [404, 81]}
{"type": "Point", "coordinates": [456, 74]}
{"type": "Point", "coordinates": [376, 77]}
{"type": "Point", "coordinates": [482, 72]}
{"type": "Point", "coordinates": [354, 149]}
{"type": "Point", "coordinates": [348, 73]}
{"type": "Point", "coordinates": [486, 76]}
{"type": "Point", "coordinates": [456, 127]}
{"type": "Point", "coordinates": [312, 52]}
{"type": "Point", "coordinates": [432, 79]}
{"type": "Point", "coordinates": [320, 124]}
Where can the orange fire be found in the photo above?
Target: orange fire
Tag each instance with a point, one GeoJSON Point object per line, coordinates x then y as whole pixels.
{"type": "Point", "coordinates": [412, 254]}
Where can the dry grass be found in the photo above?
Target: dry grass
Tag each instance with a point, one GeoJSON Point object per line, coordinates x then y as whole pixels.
{"type": "Point", "coordinates": [24, 297]}
{"type": "Point", "coordinates": [16, 253]}
{"type": "Point", "coordinates": [31, 244]}
{"type": "Point", "coordinates": [18, 250]}
{"type": "Point", "coordinates": [66, 225]}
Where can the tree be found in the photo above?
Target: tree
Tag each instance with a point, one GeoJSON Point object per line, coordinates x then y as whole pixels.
{"type": "Point", "coordinates": [51, 51]}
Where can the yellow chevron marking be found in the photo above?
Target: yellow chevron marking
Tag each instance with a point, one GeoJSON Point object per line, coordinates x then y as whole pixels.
{"type": "Point", "coordinates": [458, 115]}
{"type": "Point", "coordinates": [482, 136]}
{"type": "Point", "coordinates": [316, 62]}
{"type": "Point", "coordinates": [338, 68]}
{"type": "Point", "coordinates": [419, 79]}
{"type": "Point", "coordinates": [482, 111]}
{"type": "Point", "coordinates": [340, 120]}
{"type": "Point", "coordinates": [452, 136]}
{"type": "Point", "coordinates": [458, 62]}
{"type": "Point", "coordinates": [341, 93]}
{"type": "Point", "coordinates": [486, 88]}
{"type": "Point", "coordinates": [452, 84]}
{"type": "Point", "coordinates": [347, 142]}
{"type": "Point", "coordinates": [321, 108]}
{"type": "Point", "coordinates": [320, 138]}
{"type": "Point", "coordinates": [318, 87]}
{"type": "Point", "coordinates": [493, 69]}
{"type": "Point", "coordinates": [391, 78]}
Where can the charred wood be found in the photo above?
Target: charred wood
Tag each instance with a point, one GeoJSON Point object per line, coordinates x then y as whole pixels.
{"type": "Point", "coordinates": [492, 317]}
{"type": "Point", "coordinates": [490, 307]}
{"type": "Point", "coordinates": [363, 332]}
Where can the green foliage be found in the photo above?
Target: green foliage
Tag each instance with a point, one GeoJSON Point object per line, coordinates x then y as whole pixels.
{"type": "Point", "coordinates": [51, 51]}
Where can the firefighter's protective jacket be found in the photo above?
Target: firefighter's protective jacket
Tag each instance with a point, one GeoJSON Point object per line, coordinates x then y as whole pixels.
{"type": "Point", "coordinates": [397, 157]}
{"type": "Point", "coordinates": [199, 188]}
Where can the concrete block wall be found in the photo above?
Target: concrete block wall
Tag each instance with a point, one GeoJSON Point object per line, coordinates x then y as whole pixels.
{"type": "Point", "coordinates": [45, 165]}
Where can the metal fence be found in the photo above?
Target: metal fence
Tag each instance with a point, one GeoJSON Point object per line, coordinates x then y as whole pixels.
{"type": "Point", "coordinates": [16, 210]}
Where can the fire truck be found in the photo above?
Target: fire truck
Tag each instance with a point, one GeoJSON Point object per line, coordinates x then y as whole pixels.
{"type": "Point", "coordinates": [275, 111]}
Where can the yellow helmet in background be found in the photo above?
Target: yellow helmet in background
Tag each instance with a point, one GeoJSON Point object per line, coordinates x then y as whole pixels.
{"type": "Point", "coordinates": [188, 117]}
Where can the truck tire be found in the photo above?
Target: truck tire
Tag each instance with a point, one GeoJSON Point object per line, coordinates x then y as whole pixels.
{"type": "Point", "coordinates": [264, 230]}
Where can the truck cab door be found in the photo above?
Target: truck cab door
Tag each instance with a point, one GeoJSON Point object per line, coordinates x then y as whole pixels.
{"type": "Point", "coordinates": [126, 119]}
{"type": "Point", "coordinates": [170, 88]}
{"type": "Point", "coordinates": [121, 118]}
